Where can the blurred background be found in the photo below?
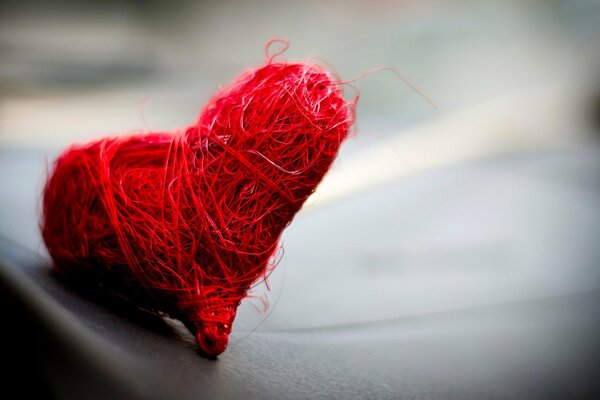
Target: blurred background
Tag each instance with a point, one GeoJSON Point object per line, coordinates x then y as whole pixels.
{"type": "Point", "coordinates": [489, 202]}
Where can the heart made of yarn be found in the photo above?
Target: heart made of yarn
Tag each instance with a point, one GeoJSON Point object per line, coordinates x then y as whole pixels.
{"type": "Point", "coordinates": [185, 223]}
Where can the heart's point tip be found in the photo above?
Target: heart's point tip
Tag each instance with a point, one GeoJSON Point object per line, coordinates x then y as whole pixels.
{"type": "Point", "coordinates": [212, 339]}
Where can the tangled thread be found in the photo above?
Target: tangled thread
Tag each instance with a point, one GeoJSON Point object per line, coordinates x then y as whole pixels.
{"type": "Point", "coordinates": [184, 223]}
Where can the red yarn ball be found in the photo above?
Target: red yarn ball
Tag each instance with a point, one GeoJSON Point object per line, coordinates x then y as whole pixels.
{"type": "Point", "coordinates": [184, 223]}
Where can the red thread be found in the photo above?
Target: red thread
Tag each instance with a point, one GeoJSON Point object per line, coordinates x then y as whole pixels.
{"type": "Point", "coordinates": [184, 223]}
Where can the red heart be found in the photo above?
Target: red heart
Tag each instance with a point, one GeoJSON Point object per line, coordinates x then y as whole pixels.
{"type": "Point", "coordinates": [184, 223]}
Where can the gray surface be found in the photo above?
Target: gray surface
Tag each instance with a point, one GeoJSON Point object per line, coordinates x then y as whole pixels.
{"type": "Point", "coordinates": [478, 281]}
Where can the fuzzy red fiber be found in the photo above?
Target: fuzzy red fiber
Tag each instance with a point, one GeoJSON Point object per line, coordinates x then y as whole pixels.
{"type": "Point", "coordinates": [186, 222]}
